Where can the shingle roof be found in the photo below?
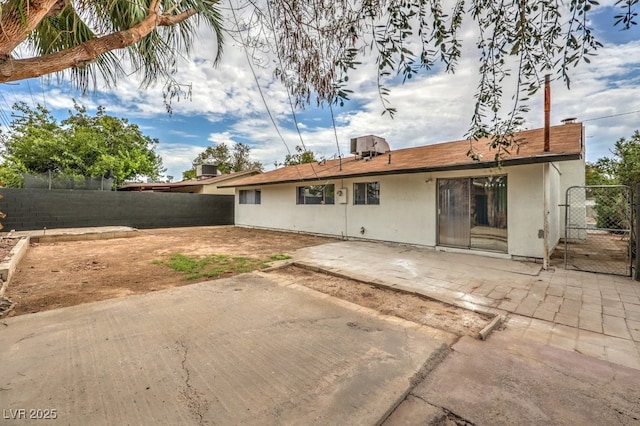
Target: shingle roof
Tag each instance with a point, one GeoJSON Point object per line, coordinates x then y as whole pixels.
{"type": "Point", "coordinates": [565, 144]}
{"type": "Point", "coordinates": [188, 182]}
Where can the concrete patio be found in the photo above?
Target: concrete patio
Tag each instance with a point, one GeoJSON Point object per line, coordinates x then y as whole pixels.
{"type": "Point", "coordinates": [592, 314]}
{"type": "Point", "coordinates": [250, 350]}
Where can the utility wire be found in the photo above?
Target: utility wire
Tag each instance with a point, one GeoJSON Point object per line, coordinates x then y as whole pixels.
{"type": "Point", "coordinates": [335, 134]}
{"type": "Point", "coordinates": [293, 113]}
{"type": "Point", "coordinates": [611, 116]}
{"type": "Point", "coordinates": [246, 53]}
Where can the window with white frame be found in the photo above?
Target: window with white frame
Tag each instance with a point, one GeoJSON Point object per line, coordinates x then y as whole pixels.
{"type": "Point", "coordinates": [315, 194]}
{"type": "Point", "coordinates": [366, 193]}
{"type": "Point", "coordinates": [250, 196]}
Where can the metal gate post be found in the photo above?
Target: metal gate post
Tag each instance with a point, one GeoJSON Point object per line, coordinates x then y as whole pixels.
{"type": "Point", "coordinates": [637, 225]}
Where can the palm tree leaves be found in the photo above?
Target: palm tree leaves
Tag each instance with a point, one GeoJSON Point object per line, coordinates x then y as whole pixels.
{"type": "Point", "coordinates": [167, 28]}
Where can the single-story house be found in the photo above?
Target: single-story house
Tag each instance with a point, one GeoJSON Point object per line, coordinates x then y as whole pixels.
{"type": "Point", "coordinates": [434, 195]}
{"type": "Point", "coordinates": [199, 185]}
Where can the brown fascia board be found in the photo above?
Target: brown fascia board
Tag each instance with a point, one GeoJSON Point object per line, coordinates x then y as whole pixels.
{"type": "Point", "coordinates": [549, 158]}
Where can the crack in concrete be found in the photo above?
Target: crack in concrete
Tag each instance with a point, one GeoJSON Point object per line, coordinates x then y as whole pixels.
{"type": "Point", "coordinates": [195, 402]}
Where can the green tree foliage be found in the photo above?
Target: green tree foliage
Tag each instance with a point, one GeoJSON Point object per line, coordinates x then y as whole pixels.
{"type": "Point", "coordinates": [623, 168]}
{"type": "Point", "coordinates": [300, 157]}
{"type": "Point", "coordinates": [315, 44]}
{"type": "Point", "coordinates": [81, 145]}
{"type": "Point", "coordinates": [320, 42]}
{"type": "Point", "coordinates": [227, 160]}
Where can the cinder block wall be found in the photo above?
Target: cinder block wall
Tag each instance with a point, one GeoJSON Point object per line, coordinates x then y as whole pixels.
{"type": "Point", "coordinates": [30, 209]}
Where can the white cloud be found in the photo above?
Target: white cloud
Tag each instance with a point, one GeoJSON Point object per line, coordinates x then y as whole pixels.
{"type": "Point", "coordinates": [177, 158]}
{"type": "Point", "coordinates": [433, 107]}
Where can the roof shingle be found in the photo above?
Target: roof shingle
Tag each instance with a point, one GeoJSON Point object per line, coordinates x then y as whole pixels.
{"type": "Point", "coordinates": [565, 144]}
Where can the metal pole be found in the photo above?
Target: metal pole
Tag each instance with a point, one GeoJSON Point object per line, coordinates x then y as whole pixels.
{"type": "Point", "coordinates": [637, 225]}
{"type": "Point", "coordinates": [547, 111]}
{"type": "Point", "coordinates": [545, 241]}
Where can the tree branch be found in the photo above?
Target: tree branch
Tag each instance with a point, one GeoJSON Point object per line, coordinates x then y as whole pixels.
{"type": "Point", "coordinates": [12, 69]}
{"type": "Point", "coordinates": [18, 19]}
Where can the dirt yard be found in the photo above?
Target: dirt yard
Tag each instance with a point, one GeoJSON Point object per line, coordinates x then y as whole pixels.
{"type": "Point", "coordinates": [55, 275]}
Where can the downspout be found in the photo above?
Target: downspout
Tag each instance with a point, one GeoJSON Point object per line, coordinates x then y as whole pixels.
{"type": "Point", "coordinates": [545, 232]}
{"type": "Point", "coordinates": [346, 206]}
{"type": "Point", "coordinates": [545, 172]}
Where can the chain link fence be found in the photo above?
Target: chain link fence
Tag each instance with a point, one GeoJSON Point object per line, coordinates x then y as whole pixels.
{"type": "Point", "coordinates": [598, 229]}
{"type": "Point", "coordinates": [59, 181]}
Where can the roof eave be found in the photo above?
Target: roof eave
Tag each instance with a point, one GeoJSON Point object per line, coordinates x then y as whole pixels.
{"type": "Point", "coordinates": [545, 158]}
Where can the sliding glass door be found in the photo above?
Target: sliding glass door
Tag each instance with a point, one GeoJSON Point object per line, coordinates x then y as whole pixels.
{"type": "Point", "coordinates": [453, 209]}
{"type": "Point", "coordinates": [472, 213]}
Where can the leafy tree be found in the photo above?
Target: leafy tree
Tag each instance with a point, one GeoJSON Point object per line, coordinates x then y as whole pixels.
{"type": "Point", "coordinates": [320, 42]}
{"type": "Point", "coordinates": [81, 145]}
{"type": "Point", "coordinates": [236, 160]}
{"type": "Point", "coordinates": [240, 159]}
{"type": "Point", "coordinates": [626, 161]}
{"type": "Point", "coordinates": [623, 168]}
{"type": "Point", "coordinates": [301, 156]}
{"type": "Point", "coordinates": [600, 173]}
{"type": "Point", "coordinates": [317, 43]}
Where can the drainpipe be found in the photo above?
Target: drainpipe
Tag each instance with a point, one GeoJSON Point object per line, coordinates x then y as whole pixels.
{"type": "Point", "coordinates": [545, 231]}
{"type": "Point", "coordinates": [345, 236]}
{"type": "Point", "coordinates": [545, 171]}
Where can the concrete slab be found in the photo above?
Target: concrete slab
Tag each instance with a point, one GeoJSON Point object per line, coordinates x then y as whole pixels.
{"type": "Point", "coordinates": [236, 351]}
{"type": "Point", "coordinates": [9, 264]}
{"type": "Point", "coordinates": [554, 299]}
{"type": "Point", "coordinates": [75, 234]}
{"type": "Point", "coordinates": [499, 382]}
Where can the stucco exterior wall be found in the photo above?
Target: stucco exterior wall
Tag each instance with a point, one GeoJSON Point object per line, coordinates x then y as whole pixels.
{"type": "Point", "coordinates": [525, 210]}
{"type": "Point", "coordinates": [213, 189]}
{"type": "Point", "coordinates": [407, 212]}
{"type": "Point", "coordinates": [556, 215]}
{"type": "Point", "coordinates": [573, 174]}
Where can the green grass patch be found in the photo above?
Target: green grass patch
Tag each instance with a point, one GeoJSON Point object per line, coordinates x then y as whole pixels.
{"type": "Point", "coordinates": [280, 256]}
{"type": "Point", "coordinates": [213, 266]}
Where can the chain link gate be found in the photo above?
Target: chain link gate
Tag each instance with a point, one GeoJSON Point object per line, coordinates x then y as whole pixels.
{"type": "Point", "coordinates": [598, 229]}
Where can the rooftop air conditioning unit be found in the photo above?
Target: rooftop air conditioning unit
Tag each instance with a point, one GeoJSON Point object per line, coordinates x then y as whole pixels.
{"type": "Point", "coordinates": [206, 170]}
{"type": "Point", "coordinates": [368, 146]}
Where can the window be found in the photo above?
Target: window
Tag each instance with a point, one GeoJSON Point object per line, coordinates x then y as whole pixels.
{"type": "Point", "coordinates": [316, 194]}
{"type": "Point", "coordinates": [366, 193]}
{"type": "Point", "coordinates": [249, 196]}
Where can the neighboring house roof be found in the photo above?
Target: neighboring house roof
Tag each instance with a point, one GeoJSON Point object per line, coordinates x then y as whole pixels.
{"type": "Point", "coordinates": [565, 142]}
{"type": "Point", "coordinates": [134, 186]}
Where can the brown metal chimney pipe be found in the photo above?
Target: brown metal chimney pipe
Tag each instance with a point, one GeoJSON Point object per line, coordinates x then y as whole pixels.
{"type": "Point", "coordinates": [547, 110]}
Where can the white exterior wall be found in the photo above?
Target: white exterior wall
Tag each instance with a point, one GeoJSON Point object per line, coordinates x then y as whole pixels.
{"type": "Point", "coordinates": [525, 210]}
{"type": "Point", "coordinates": [407, 211]}
{"type": "Point", "coordinates": [556, 215]}
{"type": "Point", "coordinates": [573, 174]}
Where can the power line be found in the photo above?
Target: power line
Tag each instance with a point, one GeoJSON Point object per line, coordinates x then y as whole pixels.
{"type": "Point", "coordinates": [293, 113]}
{"type": "Point", "coordinates": [335, 134]}
{"type": "Point", "coordinates": [611, 116]}
{"type": "Point", "coordinates": [264, 101]}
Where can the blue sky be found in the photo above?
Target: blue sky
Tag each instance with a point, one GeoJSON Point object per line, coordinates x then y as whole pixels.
{"type": "Point", "coordinates": [226, 106]}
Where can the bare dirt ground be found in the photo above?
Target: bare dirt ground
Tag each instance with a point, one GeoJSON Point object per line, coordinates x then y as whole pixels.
{"type": "Point", "coordinates": [411, 307]}
{"type": "Point", "coordinates": [55, 275]}
{"type": "Point", "coordinates": [6, 244]}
